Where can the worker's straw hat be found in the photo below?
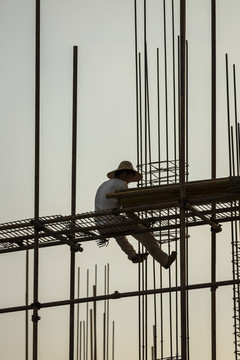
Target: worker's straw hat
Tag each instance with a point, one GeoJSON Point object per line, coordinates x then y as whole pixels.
{"type": "Point", "coordinates": [126, 165]}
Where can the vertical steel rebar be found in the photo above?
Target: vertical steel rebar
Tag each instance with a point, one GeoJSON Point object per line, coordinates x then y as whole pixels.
{"type": "Point", "coordinates": [143, 315]}
{"type": "Point", "coordinates": [236, 116]}
{"type": "Point", "coordinates": [145, 90]}
{"type": "Point", "coordinates": [146, 310]}
{"type": "Point", "coordinates": [113, 340]}
{"type": "Point", "coordinates": [228, 116]}
{"type": "Point", "coordinates": [78, 294]}
{"type": "Point", "coordinates": [158, 114]}
{"type": "Point", "coordinates": [26, 303]}
{"type": "Point", "coordinates": [187, 252]}
{"type": "Point", "coordinates": [95, 323]}
{"type": "Point", "coordinates": [136, 76]}
{"type": "Point", "coordinates": [87, 317]}
{"type": "Point", "coordinates": [166, 81]}
{"type": "Point", "coordinates": [80, 342]}
{"type": "Point", "coordinates": [139, 309]}
{"type": "Point", "coordinates": [73, 199]}
{"type": "Point", "coordinates": [84, 340]}
{"type": "Point", "coordinates": [35, 317]}
{"type": "Point", "coordinates": [91, 335]}
{"type": "Point", "coordinates": [140, 112]}
{"type": "Point", "coordinates": [154, 311]}
{"type": "Point", "coordinates": [104, 313]}
{"type": "Point", "coordinates": [108, 281]}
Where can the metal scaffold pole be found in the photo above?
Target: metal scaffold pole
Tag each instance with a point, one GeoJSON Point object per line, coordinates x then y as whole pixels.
{"type": "Point", "coordinates": [213, 233]}
{"type": "Point", "coordinates": [35, 317]}
{"type": "Point", "coordinates": [73, 200]}
{"type": "Point", "coordinates": [182, 153]}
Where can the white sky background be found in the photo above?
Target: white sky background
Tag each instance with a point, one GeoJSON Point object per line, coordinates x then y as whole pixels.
{"type": "Point", "coordinates": [104, 32]}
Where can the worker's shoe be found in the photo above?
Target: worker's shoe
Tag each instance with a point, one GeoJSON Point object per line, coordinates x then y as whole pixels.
{"type": "Point", "coordinates": [138, 258]}
{"type": "Point", "coordinates": [171, 259]}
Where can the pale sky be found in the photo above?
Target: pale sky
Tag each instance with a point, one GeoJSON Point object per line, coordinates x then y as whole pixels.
{"type": "Point", "coordinates": [103, 30]}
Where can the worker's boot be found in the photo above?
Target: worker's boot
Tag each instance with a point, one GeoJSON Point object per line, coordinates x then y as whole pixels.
{"type": "Point", "coordinates": [171, 259]}
{"type": "Point", "coordinates": [138, 258]}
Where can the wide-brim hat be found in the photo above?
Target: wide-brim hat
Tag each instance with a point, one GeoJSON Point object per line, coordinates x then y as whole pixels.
{"type": "Point", "coordinates": [126, 165]}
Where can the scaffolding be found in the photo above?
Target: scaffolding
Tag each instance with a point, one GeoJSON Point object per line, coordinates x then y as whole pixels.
{"type": "Point", "coordinates": [165, 202]}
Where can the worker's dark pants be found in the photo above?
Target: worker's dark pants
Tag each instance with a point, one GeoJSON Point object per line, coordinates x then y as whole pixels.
{"type": "Point", "coordinates": [148, 241]}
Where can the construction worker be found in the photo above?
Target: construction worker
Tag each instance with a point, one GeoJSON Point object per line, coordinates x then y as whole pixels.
{"type": "Point", "coordinates": [119, 180]}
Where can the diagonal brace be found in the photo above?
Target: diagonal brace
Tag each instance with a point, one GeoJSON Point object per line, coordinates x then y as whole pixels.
{"type": "Point", "coordinates": [215, 227]}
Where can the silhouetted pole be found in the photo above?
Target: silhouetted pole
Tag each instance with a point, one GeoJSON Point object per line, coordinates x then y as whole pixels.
{"type": "Point", "coordinates": [182, 146]}
{"type": "Point", "coordinates": [73, 201]}
{"type": "Point", "coordinates": [35, 317]}
{"type": "Point", "coordinates": [213, 234]}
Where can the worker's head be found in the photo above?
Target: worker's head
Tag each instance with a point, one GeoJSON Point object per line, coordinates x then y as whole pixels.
{"type": "Point", "coordinates": [125, 172]}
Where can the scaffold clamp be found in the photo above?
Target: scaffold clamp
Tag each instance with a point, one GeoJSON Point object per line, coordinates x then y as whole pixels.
{"type": "Point", "coordinates": [35, 318]}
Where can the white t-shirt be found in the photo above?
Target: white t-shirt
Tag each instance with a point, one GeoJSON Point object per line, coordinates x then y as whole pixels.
{"type": "Point", "coordinates": [109, 186]}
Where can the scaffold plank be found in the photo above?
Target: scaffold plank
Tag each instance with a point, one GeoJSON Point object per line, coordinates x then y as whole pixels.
{"type": "Point", "coordinates": [58, 230]}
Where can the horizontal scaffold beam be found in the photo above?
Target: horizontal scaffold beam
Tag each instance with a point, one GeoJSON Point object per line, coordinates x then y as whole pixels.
{"type": "Point", "coordinates": [117, 295]}
{"type": "Point", "coordinates": [197, 191]}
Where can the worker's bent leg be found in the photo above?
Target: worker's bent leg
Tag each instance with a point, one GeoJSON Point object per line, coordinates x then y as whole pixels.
{"type": "Point", "coordinates": [126, 246]}
{"type": "Point", "coordinates": [152, 246]}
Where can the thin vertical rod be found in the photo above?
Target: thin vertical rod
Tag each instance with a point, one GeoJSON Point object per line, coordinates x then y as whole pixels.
{"type": "Point", "coordinates": [87, 317]}
{"type": "Point", "coordinates": [91, 334]}
{"type": "Point", "coordinates": [155, 311]}
{"type": "Point", "coordinates": [95, 322]}
{"type": "Point", "coordinates": [104, 336]}
{"type": "Point", "coordinates": [232, 149]}
{"type": "Point", "coordinates": [35, 316]}
{"type": "Point", "coordinates": [187, 297]}
{"type": "Point", "coordinates": [26, 302]}
{"type": "Point", "coordinates": [136, 75]}
{"type": "Point", "coordinates": [228, 117]}
{"type": "Point", "coordinates": [146, 310]}
{"type": "Point", "coordinates": [139, 308]}
{"type": "Point", "coordinates": [213, 88]}
{"type": "Point", "coordinates": [73, 199]}
{"type": "Point", "coordinates": [80, 341]}
{"type": "Point", "coordinates": [145, 91]}
{"type": "Point", "coordinates": [236, 116]}
{"type": "Point", "coordinates": [159, 181]}
{"type": "Point", "coordinates": [174, 85]}
{"type": "Point", "coordinates": [238, 144]}
{"type": "Point", "coordinates": [213, 233]}
{"type": "Point", "coordinates": [84, 341]}
{"type": "Point", "coordinates": [108, 279]}
{"type": "Point", "coordinates": [143, 315]}
{"type": "Point", "coordinates": [166, 87]}
{"type": "Point", "coordinates": [167, 153]}
{"type": "Point", "coordinates": [113, 339]}
{"type": "Point", "coordinates": [140, 111]}
{"type": "Point", "coordinates": [161, 309]}
{"type": "Point", "coordinates": [182, 174]}
{"type": "Point", "coordinates": [104, 313]}
{"type": "Point", "coordinates": [78, 294]}
{"type": "Point", "coordinates": [158, 113]}
{"type": "Point", "coordinates": [234, 289]}
{"type": "Point", "coordinates": [148, 117]}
